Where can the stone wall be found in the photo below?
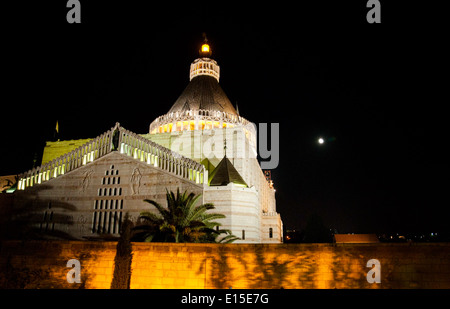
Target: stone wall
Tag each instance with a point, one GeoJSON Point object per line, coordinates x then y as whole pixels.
{"type": "Point", "coordinates": [92, 199]}
{"type": "Point", "coordinates": [40, 264]}
{"type": "Point", "coordinates": [240, 206]}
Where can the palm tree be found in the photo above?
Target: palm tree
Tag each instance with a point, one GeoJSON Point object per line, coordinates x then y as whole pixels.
{"type": "Point", "coordinates": [181, 221]}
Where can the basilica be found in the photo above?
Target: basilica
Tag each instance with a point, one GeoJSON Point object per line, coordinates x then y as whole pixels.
{"type": "Point", "coordinates": [84, 187]}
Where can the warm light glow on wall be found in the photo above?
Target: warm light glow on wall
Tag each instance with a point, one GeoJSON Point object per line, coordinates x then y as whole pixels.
{"type": "Point", "coordinates": [190, 125]}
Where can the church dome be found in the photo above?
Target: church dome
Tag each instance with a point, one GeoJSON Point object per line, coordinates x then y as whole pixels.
{"type": "Point", "coordinates": [203, 93]}
{"type": "Point", "coordinates": [203, 104]}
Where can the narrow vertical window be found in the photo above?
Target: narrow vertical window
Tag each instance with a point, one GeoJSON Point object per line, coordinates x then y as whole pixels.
{"type": "Point", "coordinates": [110, 221]}
{"type": "Point", "coordinates": [94, 222]}
{"type": "Point", "coordinates": [270, 233]}
{"type": "Point", "coordinates": [99, 225]}
{"type": "Point", "coordinates": [243, 234]}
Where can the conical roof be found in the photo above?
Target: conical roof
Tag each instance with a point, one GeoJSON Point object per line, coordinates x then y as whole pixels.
{"type": "Point", "coordinates": [225, 173]}
{"type": "Point", "coordinates": [203, 105]}
{"type": "Point", "coordinates": [203, 93]}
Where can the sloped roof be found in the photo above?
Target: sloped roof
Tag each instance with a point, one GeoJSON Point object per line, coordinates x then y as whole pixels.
{"type": "Point", "coordinates": [203, 93]}
{"type": "Point", "coordinates": [208, 165]}
{"type": "Point", "coordinates": [356, 238]}
{"type": "Point", "coordinates": [225, 173]}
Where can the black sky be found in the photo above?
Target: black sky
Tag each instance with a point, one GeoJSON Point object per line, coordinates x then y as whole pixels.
{"type": "Point", "coordinates": [317, 69]}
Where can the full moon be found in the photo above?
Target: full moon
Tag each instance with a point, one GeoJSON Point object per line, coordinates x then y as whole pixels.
{"type": "Point", "coordinates": [321, 141]}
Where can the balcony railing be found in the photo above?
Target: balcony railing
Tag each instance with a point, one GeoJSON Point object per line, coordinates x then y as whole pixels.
{"type": "Point", "coordinates": [124, 141]}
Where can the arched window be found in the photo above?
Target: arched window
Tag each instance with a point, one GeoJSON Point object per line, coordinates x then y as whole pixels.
{"type": "Point", "coordinates": [270, 233]}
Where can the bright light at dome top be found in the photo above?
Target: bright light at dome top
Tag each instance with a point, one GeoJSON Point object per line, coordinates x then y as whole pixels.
{"type": "Point", "coordinates": [205, 48]}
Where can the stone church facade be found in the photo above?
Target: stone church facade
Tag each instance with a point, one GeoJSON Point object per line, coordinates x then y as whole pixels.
{"type": "Point", "coordinates": [84, 188]}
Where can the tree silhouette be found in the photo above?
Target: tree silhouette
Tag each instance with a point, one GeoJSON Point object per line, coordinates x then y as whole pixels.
{"type": "Point", "coordinates": [122, 261]}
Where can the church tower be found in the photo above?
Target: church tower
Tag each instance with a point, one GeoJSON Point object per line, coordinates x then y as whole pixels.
{"type": "Point", "coordinates": [203, 125]}
{"type": "Point", "coordinates": [203, 119]}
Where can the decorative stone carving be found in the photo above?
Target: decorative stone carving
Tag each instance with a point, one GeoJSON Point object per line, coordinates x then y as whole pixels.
{"type": "Point", "coordinates": [86, 180]}
{"type": "Point", "coordinates": [82, 224]}
{"type": "Point", "coordinates": [135, 181]}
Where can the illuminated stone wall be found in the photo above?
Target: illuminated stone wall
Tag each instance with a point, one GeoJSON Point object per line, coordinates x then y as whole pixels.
{"type": "Point", "coordinates": [240, 206]}
{"type": "Point", "coordinates": [93, 198]}
{"type": "Point", "coordinates": [252, 210]}
{"type": "Point", "coordinates": [39, 264]}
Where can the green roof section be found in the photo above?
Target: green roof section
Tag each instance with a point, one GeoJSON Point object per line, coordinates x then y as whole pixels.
{"type": "Point", "coordinates": [208, 165]}
{"type": "Point", "coordinates": [225, 173]}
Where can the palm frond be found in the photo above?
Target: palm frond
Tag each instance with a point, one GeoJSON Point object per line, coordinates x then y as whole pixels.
{"type": "Point", "coordinates": [150, 217]}
{"type": "Point", "coordinates": [164, 213]}
{"type": "Point", "coordinates": [228, 239]}
{"type": "Point", "coordinates": [199, 211]}
{"type": "Point", "coordinates": [182, 220]}
{"type": "Point", "coordinates": [213, 216]}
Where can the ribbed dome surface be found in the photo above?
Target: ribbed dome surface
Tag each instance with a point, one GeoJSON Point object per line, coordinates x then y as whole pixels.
{"type": "Point", "coordinates": [203, 93]}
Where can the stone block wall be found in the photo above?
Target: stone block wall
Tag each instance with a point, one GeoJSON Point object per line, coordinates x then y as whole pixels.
{"type": "Point", "coordinates": [271, 228]}
{"type": "Point", "coordinates": [241, 208]}
{"type": "Point", "coordinates": [42, 264]}
{"type": "Point", "coordinates": [93, 199]}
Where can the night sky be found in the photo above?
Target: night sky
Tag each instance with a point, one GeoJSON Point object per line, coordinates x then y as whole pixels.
{"type": "Point", "coordinates": [372, 91]}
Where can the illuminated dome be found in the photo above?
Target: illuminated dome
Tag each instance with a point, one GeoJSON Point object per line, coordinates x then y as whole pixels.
{"type": "Point", "coordinates": [203, 104]}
